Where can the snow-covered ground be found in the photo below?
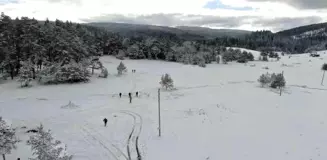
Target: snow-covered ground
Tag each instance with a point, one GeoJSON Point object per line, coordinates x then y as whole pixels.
{"type": "Point", "coordinates": [217, 113]}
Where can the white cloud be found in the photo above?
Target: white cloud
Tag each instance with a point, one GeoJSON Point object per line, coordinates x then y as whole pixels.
{"type": "Point", "coordinates": [77, 10]}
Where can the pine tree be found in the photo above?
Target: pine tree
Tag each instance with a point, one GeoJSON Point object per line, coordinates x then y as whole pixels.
{"type": "Point", "coordinates": [264, 79]}
{"type": "Point", "coordinates": [8, 139]}
{"type": "Point", "coordinates": [44, 146]}
{"type": "Point", "coordinates": [121, 67]}
{"type": "Point", "coordinates": [167, 82]}
{"type": "Point", "coordinates": [277, 81]}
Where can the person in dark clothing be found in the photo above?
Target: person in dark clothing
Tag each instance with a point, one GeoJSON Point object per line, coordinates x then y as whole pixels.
{"type": "Point", "coordinates": [137, 94]}
{"type": "Point", "coordinates": [130, 97]}
{"type": "Point", "coordinates": [105, 121]}
{"type": "Point", "coordinates": [18, 158]}
{"type": "Point", "coordinates": [120, 95]}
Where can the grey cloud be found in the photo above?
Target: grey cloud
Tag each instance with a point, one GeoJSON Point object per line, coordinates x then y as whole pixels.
{"type": "Point", "coordinates": [300, 4]}
{"type": "Point", "coordinates": [276, 24]}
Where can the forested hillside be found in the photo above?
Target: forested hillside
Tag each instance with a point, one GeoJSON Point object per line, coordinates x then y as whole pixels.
{"type": "Point", "coordinates": [54, 51]}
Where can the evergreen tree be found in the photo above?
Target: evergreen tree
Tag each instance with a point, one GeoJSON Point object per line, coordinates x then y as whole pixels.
{"type": "Point", "coordinates": [167, 82]}
{"type": "Point", "coordinates": [264, 79]}
{"type": "Point", "coordinates": [278, 81]}
{"type": "Point", "coordinates": [8, 139]}
{"type": "Point", "coordinates": [121, 68]}
{"type": "Point", "coordinates": [44, 146]}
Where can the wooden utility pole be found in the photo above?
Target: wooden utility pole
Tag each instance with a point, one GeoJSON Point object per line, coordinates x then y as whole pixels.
{"type": "Point", "coordinates": [159, 115]}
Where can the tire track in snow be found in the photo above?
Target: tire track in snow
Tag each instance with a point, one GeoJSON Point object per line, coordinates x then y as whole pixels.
{"type": "Point", "coordinates": [135, 134]}
{"type": "Point", "coordinates": [88, 138]}
{"type": "Point", "coordinates": [118, 151]}
{"type": "Point", "coordinates": [115, 152]}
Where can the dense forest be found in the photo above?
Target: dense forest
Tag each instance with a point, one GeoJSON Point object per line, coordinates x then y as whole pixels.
{"type": "Point", "coordinates": [61, 52]}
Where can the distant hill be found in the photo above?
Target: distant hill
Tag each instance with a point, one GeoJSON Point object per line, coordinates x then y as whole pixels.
{"type": "Point", "coordinates": [319, 29]}
{"type": "Point", "coordinates": [184, 32]}
{"type": "Point", "coordinates": [214, 33]}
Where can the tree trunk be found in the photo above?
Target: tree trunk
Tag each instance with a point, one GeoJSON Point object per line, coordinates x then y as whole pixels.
{"type": "Point", "coordinates": [3, 156]}
{"type": "Point", "coordinates": [323, 77]}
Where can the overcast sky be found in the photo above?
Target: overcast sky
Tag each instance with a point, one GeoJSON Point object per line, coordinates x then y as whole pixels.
{"type": "Point", "coordinates": [273, 15]}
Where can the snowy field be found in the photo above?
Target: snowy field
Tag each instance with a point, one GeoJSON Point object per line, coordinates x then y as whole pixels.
{"type": "Point", "coordinates": [217, 113]}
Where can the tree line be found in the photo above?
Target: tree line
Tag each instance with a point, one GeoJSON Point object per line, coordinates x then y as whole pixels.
{"type": "Point", "coordinates": [53, 51]}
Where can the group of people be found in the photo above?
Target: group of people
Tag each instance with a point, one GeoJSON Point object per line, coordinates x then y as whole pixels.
{"type": "Point", "coordinates": [105, 120]}
{"type": "Point", "coordinates": [130, 96]}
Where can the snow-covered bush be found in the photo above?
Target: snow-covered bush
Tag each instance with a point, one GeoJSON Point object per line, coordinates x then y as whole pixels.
{"type": "Point", "coordinates": [199, 60]}
{"type": "Point", "coordinates": [121, 54]}
{"type": "Point", "coordinates": [250, 56]}
{"type": "Point", "coordinates": [72, 73]}
{"type": "Point", "coordinates": [167, 82]}
{"type": "Point", "coordinates": [44, 146]}
{"type": "Point", "coordinates": [69, 73]}
{"type": "Point", "coordinates": [104, 73]}
{"type": "Point", "coordinates": [264, 79]}
{"type": "Point", "coordinates": [207, 56]}
{"type": "Point", "coordinates": [277, 81]}
{"type": "Point", "coordinates": [121, 68]}
{"type": "Point", "coordinates": [265, 58]}
{"type": "Point", "coordinates": [25, 74]}
{"type": "Point", "coordinates": [273, 80]}
{"type": "Point", "coordinates": [8, 139]}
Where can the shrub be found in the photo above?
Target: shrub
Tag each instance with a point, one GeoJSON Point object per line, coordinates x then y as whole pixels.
{"type": "Point", "coordinates": [273, 80]}
{"type": "Point", "coordinates": [104, 73]}
{"type": "Point", "coordinates": [198, 60]}
{"type": "Point", "coordinates": [68, 73]}
{"type": "Point", "coordinates": [167, 82]}
{"type": "Point", "coordinates": [264, 79]}
{"type": "Point", "coordinates": [277, 81]}
{"type": "Point", "coordinates": [202, 64]}
{"type": "Point", "coordinates": [265, 58]}
{"type": "Point", "coordinates": [250, 56]}
{"type": "Point", "coordinates": [121, 67]}
{"type": "Point", "coordinates": [242, 60]}
{"type": "Point", "coordinates": [324, 67]}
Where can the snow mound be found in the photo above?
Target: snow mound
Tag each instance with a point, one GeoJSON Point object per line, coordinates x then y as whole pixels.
{"type": "Point", "coordinates": [70, 105]}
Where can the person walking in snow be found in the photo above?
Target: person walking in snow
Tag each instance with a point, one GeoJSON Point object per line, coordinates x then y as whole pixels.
{"type": "Point", "coordinates": [105, 121]}
{"type": "Point", "coordinates": [130, 97]}
{"type": "Point", "coordinates": [120, 95]}
{"type": "Point", "coordinates": [137, 94]}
